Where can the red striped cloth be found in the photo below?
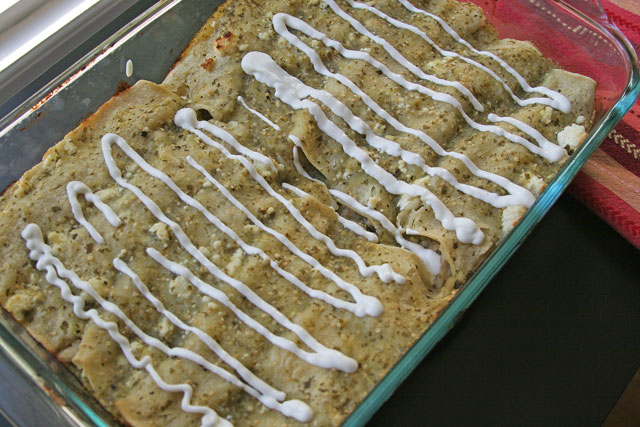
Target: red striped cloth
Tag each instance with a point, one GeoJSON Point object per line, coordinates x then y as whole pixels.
{"type": "Point", "coordinates": [609, 183]}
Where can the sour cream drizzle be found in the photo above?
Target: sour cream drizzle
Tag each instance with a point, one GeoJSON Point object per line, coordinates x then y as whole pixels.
{"type": "Point", "coordinates": [258, 114]}
{"type": "Point", "coordinates": [76, 187]}
{"type": "Point", "coordinates": [554, 152]}
{"type": "Point", "coordinates": [557, 100]}
{"type": "Point", "coordinates": [222, 134]}
{"type": "Point", "coordinates": [364, 304]}
{"type": "Point", "coordinates": [347, 223]}
{"type": "Point", "coordinates": [293, 92]}
{"type": "Point", "coordinates": [393, 52]}
{"type": "Point", "coordinates": [280, 22]}
{"type": "Point", "coordinates": [257, 386]}
{"type": "Point", "coordinates": [186, 119]}
{"type": "Point", "coordinates": [431, 260]}
{"type": "Point", "coordinates": [55, 271]}
{"type": "Point", "coordinates": [561, 102]}
{"type": "Point", "coordinates": [296, 159]}
{"type": "Point", "coordinates": [323, 356]}
{"type": "Point", "coordinates": [518, 196]}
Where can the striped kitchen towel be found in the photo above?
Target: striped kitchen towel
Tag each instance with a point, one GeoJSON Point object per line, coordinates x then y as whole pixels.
{"type": "Point", "coordinates": [609, 183]}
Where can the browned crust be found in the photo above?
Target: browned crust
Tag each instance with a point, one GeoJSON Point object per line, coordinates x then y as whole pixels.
{"type": "Point", "coordinates": [203, 34]}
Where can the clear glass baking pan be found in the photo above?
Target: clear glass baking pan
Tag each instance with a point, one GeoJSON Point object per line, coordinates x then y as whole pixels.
{"type": "Point", "coordinates": [575, 33]}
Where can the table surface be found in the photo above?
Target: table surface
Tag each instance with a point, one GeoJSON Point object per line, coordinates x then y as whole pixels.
{"type": "Point", "coordinates": [553, 340]}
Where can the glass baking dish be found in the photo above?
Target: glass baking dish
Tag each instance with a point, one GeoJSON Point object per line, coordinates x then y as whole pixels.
{"type": "Point", "coordinates": [575, 33]}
